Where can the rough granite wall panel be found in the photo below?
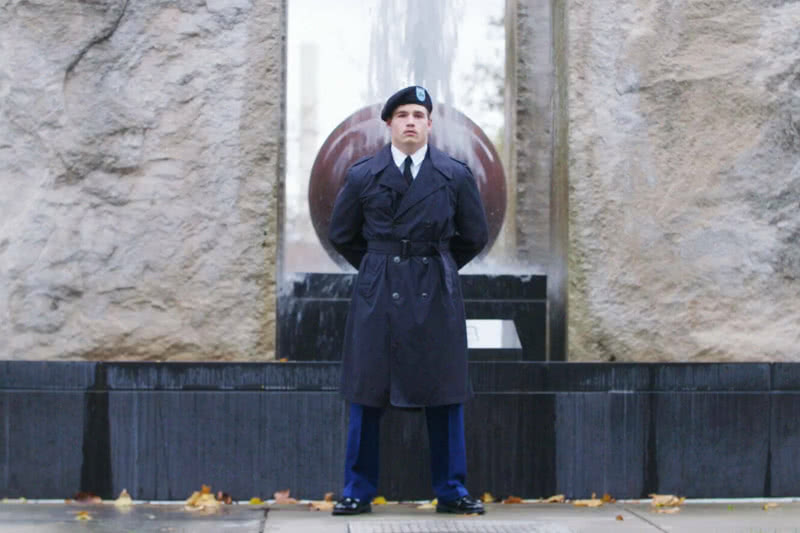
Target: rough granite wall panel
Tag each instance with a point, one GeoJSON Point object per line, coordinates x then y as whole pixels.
{"type": "Point", "coordinates": [684, 180]}
{"type": "Point", "coordinates": [140, 159]}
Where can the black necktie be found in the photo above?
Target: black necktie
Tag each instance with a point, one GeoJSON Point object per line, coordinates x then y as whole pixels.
{"type": "Point", "coordinates": [407, 171]}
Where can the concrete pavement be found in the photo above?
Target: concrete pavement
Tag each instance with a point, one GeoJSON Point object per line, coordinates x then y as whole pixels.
{"type": "Point", "coordinates": [620, 517]}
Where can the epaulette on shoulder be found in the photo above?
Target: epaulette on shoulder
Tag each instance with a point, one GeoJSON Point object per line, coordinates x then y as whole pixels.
{"type": "Point", "coordinates": [458, 160]}
{"type": "Point", "coordinates": [359, 169]}
{"type": "Point", "coordinates": [464, 166]}
{"type": "Point", "coordinates": [361, 161]}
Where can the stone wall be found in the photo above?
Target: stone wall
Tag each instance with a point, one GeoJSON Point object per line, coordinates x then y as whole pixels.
{"type": "Point", "coordinates": [529, 124]}
{"type": "Point", "coordinates": [140, 167]}
{"type": "Point", "coordinates": [684, 139]}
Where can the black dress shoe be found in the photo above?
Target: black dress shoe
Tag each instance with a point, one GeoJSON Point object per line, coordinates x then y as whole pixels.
{"type": "Point", "coordinates": [351, 506]}
{"type": "Point", "coordinates": [463, 505]}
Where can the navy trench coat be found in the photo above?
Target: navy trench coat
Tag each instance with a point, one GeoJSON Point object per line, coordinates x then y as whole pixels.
{"type": "Point", "coordinates": [405, 340]}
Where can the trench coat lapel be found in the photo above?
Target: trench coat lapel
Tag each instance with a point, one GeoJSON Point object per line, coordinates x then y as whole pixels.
{"type": "Point", "coordinates": [383, 164]}
{"type": "Point", "coordinates": [431, 177]}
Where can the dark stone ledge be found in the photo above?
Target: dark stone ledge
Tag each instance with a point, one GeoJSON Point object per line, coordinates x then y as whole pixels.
{"type": "Point", "coordinates": [474, 286]}
{"type": "Point", "coordinates": [487, 376]}
{"type": "Point", "coordinates": [533, 429]}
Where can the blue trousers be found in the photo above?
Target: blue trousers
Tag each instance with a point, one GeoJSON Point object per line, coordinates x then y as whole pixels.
{"type": "Point", "coordinates": [448, 451]}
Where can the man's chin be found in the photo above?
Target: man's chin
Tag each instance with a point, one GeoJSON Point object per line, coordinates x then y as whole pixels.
{"type": "Point", "coordinates": [409, 142]}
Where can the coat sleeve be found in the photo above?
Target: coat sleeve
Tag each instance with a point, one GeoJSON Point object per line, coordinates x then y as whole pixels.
{"type": "Point", "coordinates": [347, 221]}
{"type": "Point", "coordinates": [472, 231]}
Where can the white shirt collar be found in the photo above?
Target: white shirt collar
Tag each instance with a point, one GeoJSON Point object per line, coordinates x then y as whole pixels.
{"type": "Point", "coordinates": [416, 158]}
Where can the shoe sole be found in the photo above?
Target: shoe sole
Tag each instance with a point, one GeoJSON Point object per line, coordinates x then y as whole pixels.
{"type": "Point", "coordinates": [350, 513]}
{"type": "Point", "coordinates": [454, 511]}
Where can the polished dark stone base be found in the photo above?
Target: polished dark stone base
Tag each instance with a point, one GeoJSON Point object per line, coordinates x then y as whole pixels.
{"type": "Point", "coordinates": [533, 429]}
{"type": "Point", "coordinates": [313, 311]}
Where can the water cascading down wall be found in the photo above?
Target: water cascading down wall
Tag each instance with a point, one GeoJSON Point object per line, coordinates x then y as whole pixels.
{"type": "Point", "coordinates": [488, 111]}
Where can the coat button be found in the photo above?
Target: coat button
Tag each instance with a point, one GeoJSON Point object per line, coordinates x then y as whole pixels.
{"type": "Point", "coordinates": [396, 259]}
{"type": "Point", "coordinates": [395, 295]}
{"type": "Point", "coordinates": [424, 260]}
{"type": "Point", "coordinates": [424, 294]}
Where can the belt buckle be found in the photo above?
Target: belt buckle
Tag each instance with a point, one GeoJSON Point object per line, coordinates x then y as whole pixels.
{"type": "Point", "coordinates": [404, 247]}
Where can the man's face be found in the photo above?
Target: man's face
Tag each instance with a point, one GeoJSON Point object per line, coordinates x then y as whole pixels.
{"type": "Point", "coordinates": [410, 125]}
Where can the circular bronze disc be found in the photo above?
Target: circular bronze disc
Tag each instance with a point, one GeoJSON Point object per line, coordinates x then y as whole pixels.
{"type": "Point", "coordinates": [364, 133]}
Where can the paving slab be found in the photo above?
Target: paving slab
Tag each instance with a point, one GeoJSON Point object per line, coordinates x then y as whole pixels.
{"type": "Point", "coordinates": [539, 518]}
{"type": "Point", "coordinates": [140, 518]}
{"type": "Point", "coordinates": [619, 517]}
{"type": "Point", "coordinates": [729, 517]}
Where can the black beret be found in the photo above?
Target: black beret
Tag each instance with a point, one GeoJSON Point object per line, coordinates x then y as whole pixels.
{"type": "Point", "coordinates": [410, 95]}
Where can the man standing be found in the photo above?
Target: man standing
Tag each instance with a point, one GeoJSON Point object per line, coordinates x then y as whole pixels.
{"type": "Point", "coordinates": [407, 218]}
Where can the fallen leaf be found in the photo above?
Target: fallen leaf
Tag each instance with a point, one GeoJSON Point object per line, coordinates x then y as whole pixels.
{"type": "Point", "coordinates": [283, 360]}
{"type": "Point", "coordinates": [202, 500]}
{"type": "Point", "coordinates": [591, 502]}
{"type": "Point", "coordinates": [87, 497]}
{"type": "Point", "coordinates": [619, 517]}
{"type": "Point", "coordinates": [282, 497]}
{"type": "Point", "coordinates": [608, 499]}
{"type": "Point", "coordinates": [256, 501]}
{"type": "Point", "coordinates": [557, 498]}
{"type": "Point", "coordinates": [667, 510]}
{"type": "Point", "coordinates": [665, 500]}
{"type": "Point", "coordinates": [513, 499]}
{"type": "Point", "coordinates": [379, 500]}
{"type": "Point", "coordinates": [83, 515]}
{"type": "Point", "coordinates": [328, 497]}
{"type": "Point", "coordinates": [487, 497]}
{"type": "Point", "coordinates": [124, 499]}
{"type": "Point", "coordinates": [322, 505]}
{"type": "Point", "coordinates": [770, 505]}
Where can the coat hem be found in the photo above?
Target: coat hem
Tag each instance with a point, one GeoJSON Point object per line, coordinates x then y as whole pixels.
{"type": "Point", "coordinates": [404, 405]}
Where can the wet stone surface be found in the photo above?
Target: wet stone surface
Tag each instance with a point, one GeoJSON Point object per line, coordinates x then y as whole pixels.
{"type": "Point", "coordinates": [626, 517]}
{"type": "Point", "coordinates": [456, 526]}
{"type": "Point", "coordinates": [140, 518]}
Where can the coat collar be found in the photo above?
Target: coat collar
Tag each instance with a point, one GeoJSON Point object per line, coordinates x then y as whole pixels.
{"type": "Point", "coordinates": [392, 177]}
{"type": "Point", "coordinates": [427, 182]}
{"type": "Point", "coordinates": [436, 168]}
{"type": "Point", "coordinates": [439, 159]}
{"type": "Point", "coordinates": [380, 160]}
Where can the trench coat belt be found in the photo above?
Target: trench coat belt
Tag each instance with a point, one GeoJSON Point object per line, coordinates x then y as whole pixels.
{"type": "Point", "coordinates": [405, 248]}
